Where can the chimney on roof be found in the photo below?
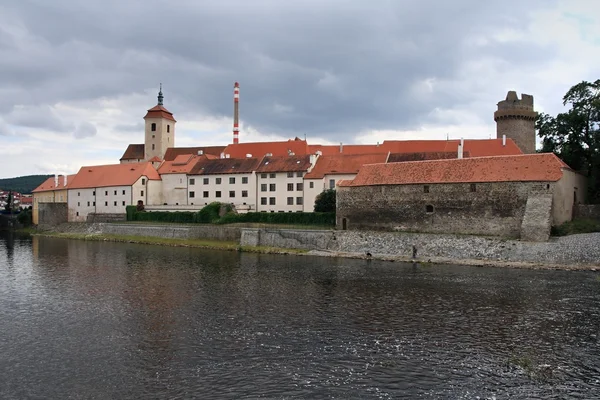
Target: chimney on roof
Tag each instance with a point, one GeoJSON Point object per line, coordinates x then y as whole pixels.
{"type": "Point", "coordinates": [236, 112]}
{"type": "Point", "coordinates": [341, 147]}
{"type": "Point", "coordinates": [55, 180]}
{"type": "Point", "coordinates": [65, 180]}
{"type": "Point", "coordinates": [460, 151]}
{"type": "Point", "coordinates": [269, 155]}
{"type": "Point", "coordinates": [248, 155]}
{"type": "Point", "coordinates": [200, 152]}
{"type": "Point", "coordinates": [503, 140]}
{"type": "Point", "coordinates": [377, 144]}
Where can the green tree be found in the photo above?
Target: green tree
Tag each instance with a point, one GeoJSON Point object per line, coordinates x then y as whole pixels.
{"type": "Point", "coordinates": [574, 135]}
{"type": "Point", "coordinates": [325, 201]}
{"type": "Point", "coordinates": [9, 202]}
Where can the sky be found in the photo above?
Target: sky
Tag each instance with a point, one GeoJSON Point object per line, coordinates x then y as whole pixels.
{"type": "Point", "coordinates": [77, 76]}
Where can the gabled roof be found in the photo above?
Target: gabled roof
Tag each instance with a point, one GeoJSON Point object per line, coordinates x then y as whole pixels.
{"type": "Point", "coordinates": [48, 184]}
{"type": "Point", "coordinates": [330, 150]}
{"type": "Point", "coordinates": [112, 175]}
{"type": "Point", "coordinates": [182, 164]}
{"type": "Point", "coordinates": [343, 164]}
{"type": "Point", "coordinates": [545, 167]}
{"type": "Point", "coordinates": [440, 155]}
{"type": "Point", "coordinates": [226, 166]}
{"type": "Point", "coordinates": [159, 111]}
{"type": "Point", "coordinates": [284, 164]}
{"type": "Point", "coordinates": [173, 152]}
{"type": "Point", "coordinates": [134, 152]}
{"type": "Point", "coordinates": [260, 149]}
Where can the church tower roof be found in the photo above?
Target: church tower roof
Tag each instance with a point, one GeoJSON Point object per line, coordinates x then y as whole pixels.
{"type": "Point", "coordinates": [159, 111]}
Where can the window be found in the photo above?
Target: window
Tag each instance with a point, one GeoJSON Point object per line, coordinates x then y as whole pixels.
{"type": "Point", "coordinates": [473, 187]}
{"type": "Point", "coordinates": [290, 201]}
{"type": "Point", "coordinates": [168, 128]}
{"type": "Point", "coordinates": [106, 203]}
{"type": "Point", "coordinates": [332, 184]}
{"type": "Point", "coordinates": [232, 193]}
{"type": "Point", "coordinates": [300, 174]}
{"type": "Point", "coordinates": [153, 136]}
{"type": "Point", "coordinates": [218, 181]}
{"type": "Point", "coordinates": [180, 180]}
{"type": "Point", "coordinates": [272, 201]}
{"type": "Point", "coordinates": [263, 187]}
{"type": "Point", "coordinates": [153, 146]}
{"type": "Point", "coordinates": [244, 193]}
{"type": "Point", "coordinates": [192, 181]}
{"type": "Point", "coordinates": [311, 185]}
{"type": "Point", "coordinates": [123, 192]}
{"type": "Point", "coordinates": [123, 203]}
{"type": "Point", "coordinates": [263, 201]}
{"type": "Point", "coordinates": [231, 180]}
{"type": "Point", "coordinates": [115, 193]}
{"type": "Point", "coordinates": [106, 192]}
{"type": "Point", "coordinates": [78, 193]}
{"type": "Point", "coordinates": [88, 203]}
{"type": "Point", "coordinates": [205, 181]}
{"type": "Point", "coordinates": [218, 193]}
{"type": "Point", "coordinates": [192, 194]}
{"type": "Point", "coordinates": [94, 204]}
{"type": "Point", "coordinates": [271, 175]}
{"type": "Point", "coordinates": [115, 203]}
{"type": "Point", "coordinates": [94, 193]}
{"type": "Point", "coordinates": [205, 194]}
{"type": "Point", "coordinates": [78, 213]}
{"type": "Point", "coordinates": [78, 204]}
{"type": "Point", "coordinates": [299, 200]}
{"type": "Point", "coordinates": [299, 186]}
{"type": "Point", "coordinates": [272, 187]}
{"type": "Point", "coordinates": [426, 189]}
{"type": "Point", "coordinates": [244, 179]}
{"type": "Point", "coordinates": [143, 181]}
{"type": "Point", "coordinates": [263, 176]}
{"type": "Point", "coordinates": [290, 187]}
{"type": "Point", "coordinates": [153, 127]}
{"type": "Point", "coordinates": [429, 208]}
{"type": "Point", "coordinates": [290, 174]}
{"type": "Point", "coordinates": [141, 192]}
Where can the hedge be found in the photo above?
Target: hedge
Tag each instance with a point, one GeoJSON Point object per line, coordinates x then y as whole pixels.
{"type": "Point", "coordinates": [210, 215]}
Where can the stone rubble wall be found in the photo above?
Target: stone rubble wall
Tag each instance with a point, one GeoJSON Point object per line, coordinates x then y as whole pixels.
{"type": "Point", "coordinates": [588, 211]}
{"type": "Point", "coordinates": [537, 220]}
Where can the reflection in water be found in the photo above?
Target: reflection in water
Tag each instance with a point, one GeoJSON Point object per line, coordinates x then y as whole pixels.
{"type": "Point", "coordinates": [106, 320]}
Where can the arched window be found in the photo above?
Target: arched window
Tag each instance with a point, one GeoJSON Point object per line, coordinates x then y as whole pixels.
{"type": "Point", "coordinates": [153, 127]}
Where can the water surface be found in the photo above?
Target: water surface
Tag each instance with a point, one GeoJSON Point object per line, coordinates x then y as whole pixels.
{"type": "Point", "coordinates": [99, 320]}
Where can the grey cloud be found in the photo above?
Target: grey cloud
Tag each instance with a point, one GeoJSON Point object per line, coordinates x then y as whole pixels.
{"type": "Point", "coordinates": [37, 117]}
{"type": "Point", "coordinates": [85, 130]}
{"type": "Point", "coordinates": [328, 68]}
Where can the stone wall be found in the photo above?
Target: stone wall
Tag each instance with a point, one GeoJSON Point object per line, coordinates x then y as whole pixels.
{"type": "Point", "coordinates": [209, 232]}
{"type": "Point", "coordinates": [52, 214]}
{"type": "Point", "coordinates": [484, 208]}
{"type": "Point", "coordinates": [588, 211]}
{"type": "Point", "coordinates": [94, 217]}
{"type": "Point", "coordinates": [287, 238]}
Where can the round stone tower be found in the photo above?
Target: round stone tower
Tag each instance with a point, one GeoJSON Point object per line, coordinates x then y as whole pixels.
{"type": "Point", "coordinates": [516, 119]}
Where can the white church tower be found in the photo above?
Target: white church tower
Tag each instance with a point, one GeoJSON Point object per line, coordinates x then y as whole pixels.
{"type": "Point", "coordinates": [160, 130]}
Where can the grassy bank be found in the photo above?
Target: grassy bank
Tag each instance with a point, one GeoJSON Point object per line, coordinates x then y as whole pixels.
{"type": "Point", "coordinates": [174, 242]}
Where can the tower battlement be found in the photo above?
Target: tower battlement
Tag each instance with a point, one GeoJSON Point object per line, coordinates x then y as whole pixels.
{"type": "Point", "coordinates": [515, 118]}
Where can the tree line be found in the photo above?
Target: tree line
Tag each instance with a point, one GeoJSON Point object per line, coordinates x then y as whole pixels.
{"type": "Point", "coordinates": [574, 135]}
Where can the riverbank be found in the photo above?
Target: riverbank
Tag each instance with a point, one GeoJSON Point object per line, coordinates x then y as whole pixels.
{"type": "Point", "coordinates": [575, 252]}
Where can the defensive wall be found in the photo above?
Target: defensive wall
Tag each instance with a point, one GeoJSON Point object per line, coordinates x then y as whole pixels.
{"type": "Point", "coordinates": [567, 251]}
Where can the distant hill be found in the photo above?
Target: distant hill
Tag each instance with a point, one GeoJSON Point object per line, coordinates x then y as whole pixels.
{"type": "Point", "coordinates": [23, 184]}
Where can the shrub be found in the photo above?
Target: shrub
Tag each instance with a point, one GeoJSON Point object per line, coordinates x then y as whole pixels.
{"type": "Point", "coordinates": [209, 213]}
{"type": "Point", "coordinates": [578, 225]}
{"type": "Point", "coordinates": [25, 217]}
{"type": "Point", "coordinates": [325, 201]}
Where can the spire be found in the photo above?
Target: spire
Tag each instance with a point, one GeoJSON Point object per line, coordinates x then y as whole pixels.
{"type": "Point", "coordinates": [160, 96]}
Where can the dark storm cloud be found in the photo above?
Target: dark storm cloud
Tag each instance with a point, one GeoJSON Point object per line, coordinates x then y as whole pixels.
{"type": "Point", "coordinates": [327, 68]}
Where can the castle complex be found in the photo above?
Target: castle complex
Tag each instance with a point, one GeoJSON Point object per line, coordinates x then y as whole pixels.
{"type": "Point", "coordinates": [419, 185]}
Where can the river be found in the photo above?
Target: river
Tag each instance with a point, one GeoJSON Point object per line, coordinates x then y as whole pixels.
{"type": "Point", "coordinates": [101, 320]}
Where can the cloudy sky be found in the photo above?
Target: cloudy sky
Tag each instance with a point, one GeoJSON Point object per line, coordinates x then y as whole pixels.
{"type": "Point", "coordinates": [77, 76]}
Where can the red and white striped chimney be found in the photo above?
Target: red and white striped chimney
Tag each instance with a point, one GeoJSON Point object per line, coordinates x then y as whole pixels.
{"type": "Point", "coordinates": [236, 113]}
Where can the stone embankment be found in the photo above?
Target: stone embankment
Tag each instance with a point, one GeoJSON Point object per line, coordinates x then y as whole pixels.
{"type": "Point", "coordinates": [569, 252]}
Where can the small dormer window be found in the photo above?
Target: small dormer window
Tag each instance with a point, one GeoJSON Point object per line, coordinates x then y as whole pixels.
{"type": "Point", "coordinates": [153, 127]}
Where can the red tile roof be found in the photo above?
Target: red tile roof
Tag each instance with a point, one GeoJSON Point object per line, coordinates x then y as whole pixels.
{"type": "Point", "coordinates": [112, 175]}
{"type": "Point", "coordinates": [173, 152]}
{"type": "Point", "coordinates": [48, 184]}
{"type": "Point", "coordinates": [182, 164]}
{"type": "Point", "coordinates": [284, 164]}
{"type": "Point", "coordinates": [519, 168]}
{"type": "Point", "coordinates": [226, 166]}
{"type": "Point", "coordinates": [260, 149]}
{"type": "Point", "coordinates": [441, 155]}
{"type": "Point", "coordinates": [159, 111]}
{"type": "Point", "coordinates": [343, 164]}
{"type": "Point", "coordinates": [473, 147]}
{"type": "Point", "coordinates": [134, 152]}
